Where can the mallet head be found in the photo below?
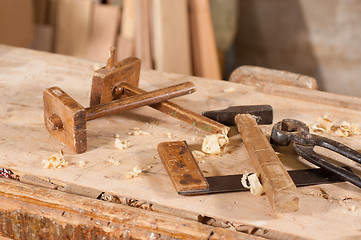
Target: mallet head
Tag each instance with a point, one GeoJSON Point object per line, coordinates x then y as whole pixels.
{"type": "Point", "coordinates": [65, 119]}
{"type": "Point", "coordinates": [262, 113]}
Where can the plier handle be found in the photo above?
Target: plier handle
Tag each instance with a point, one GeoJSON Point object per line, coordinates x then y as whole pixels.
{"type": "Point", "coordinates": [297, 132]}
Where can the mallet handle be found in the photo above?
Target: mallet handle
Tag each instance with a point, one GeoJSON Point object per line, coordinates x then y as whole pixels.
{"type": "Point", "coordinates": [276, 182]}
{"type": "Point", "coordinates": [148, 98]}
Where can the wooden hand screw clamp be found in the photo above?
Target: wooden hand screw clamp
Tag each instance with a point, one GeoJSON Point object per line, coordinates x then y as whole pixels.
{"type": "Point", "coordinates": [120, 80]}
{"type": "Point", "coordinates": [66, 119]}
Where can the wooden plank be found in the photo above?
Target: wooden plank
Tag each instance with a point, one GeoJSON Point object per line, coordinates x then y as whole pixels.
{"type": "Point", "coordinates": [40, 8]}
{"type": "Point", "coordinates": [126, 39]}
{"type": "Point", "coordinates": [204, 49]}
{"type": "Point", "coordinates": [171, 44]}
{"type": "Point", "coordinates": [142, 36]}
{"type": "Point", "coordinates": [16, 22]}
{"type": "Point", "coordinates": [55, 214]}
{"type": "Point", "coordinates": [254, 75]}
{"type": "Point", "coordinates": [104, 27]}
{"type": "Point", "coordinates": [43, 38]}
{"type": "Point", "coordinates": [24, 143]}
{"type": "Point", "coordinates": [314, 96]}
{"type": "Point", "coordinates": [73, 23]}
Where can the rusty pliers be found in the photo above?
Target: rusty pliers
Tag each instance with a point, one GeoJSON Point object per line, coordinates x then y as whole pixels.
{"type": "Point", "coordinates": [297, 132]}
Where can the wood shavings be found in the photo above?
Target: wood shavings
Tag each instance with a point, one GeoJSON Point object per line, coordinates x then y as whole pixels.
{"type": "Point", "coordinates": [137, 132]}
{"type": "Point", "coordinates": [213, 144]}
{"type": "Point", "coordinates": [120, 144]}
{"type": "Point", "coordinates": [170, 136]}
{"type": "Point", "coordinates": [229, 90]}
{"type": "Point", "coordinates": [55, 161]}
{"type": "Point", "coordinates": [81, 163]}
{"type": "Point", "coordinates": [132, 174]}
{"type": "Point", "coordinates": [251, 181]}
{"type": "Point", "coordinates": [336, 128]}
{"type": "Point", "coordinates": [113, 162]}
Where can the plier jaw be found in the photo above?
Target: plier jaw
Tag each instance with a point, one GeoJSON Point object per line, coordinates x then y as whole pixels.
{"type": "Point", "coordinates": [297, 132]}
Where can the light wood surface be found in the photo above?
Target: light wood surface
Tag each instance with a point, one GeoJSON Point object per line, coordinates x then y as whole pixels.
{"type": "Point", "coordinates": [171, 37]}
{"type": "Point", "coordinates": [204, 49]}
{"type": "Point", "coordinates": [126, 38]}
{"type": "Point", "coordinates": [16, 22]}
{"type": "Point", "coordinates": [326, 212]}
{"type": "Point", "coordinates": [73, 24]}
{"type": "Point", "coordinates": [142, 36]}
{"type": "Point", "coordinates": [103, 32]}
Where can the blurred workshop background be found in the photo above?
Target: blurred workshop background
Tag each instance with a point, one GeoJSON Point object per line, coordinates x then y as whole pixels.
{"type": "Point", "coordinates": [206, 38]}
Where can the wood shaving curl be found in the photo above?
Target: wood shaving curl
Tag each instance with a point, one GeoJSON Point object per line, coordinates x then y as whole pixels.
{"type": "Point", "coordinates": [337, 128]}
{"type": "Point", "coordinates": [121, 144]}
{"type": "Point", "coordinates": [55, 161]}
{"type": "Point", "coordinates": [132, 174]}
{"type": "Point", "coordinates": [215, 143]}
{"type": "Point", "coordinates": [251, 181]}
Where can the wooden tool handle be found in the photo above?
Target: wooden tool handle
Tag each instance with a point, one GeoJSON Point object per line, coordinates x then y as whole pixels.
{"type": "Point", "coordinates": [183, 114]}
{"type": "Point", "coordinates": [253, 75]}
{"type": "Point", "coordinates": [124, 104]}
{"type": "Point", "coordinates": [277, 183]}
{"type": "Point", "coordinates": [182, 167]}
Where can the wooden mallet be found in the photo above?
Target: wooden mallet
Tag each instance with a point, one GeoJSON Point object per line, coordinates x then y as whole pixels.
{"type": "Point", "coordinates": [277, 183]}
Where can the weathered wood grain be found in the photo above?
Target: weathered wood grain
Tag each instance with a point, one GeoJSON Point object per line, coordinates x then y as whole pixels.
{"type": "Point", "coordinates": [277, 183]}
{"type": "Point", "coordinates": [31, 212]}
{"type": "Point", "coordinates": [254, 75]}
{"type": "Point", "coordinates": [329, 211]}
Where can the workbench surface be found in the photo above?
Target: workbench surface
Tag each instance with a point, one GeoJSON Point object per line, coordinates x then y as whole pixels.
{"type": "Point", "coordinates": [326, 211]}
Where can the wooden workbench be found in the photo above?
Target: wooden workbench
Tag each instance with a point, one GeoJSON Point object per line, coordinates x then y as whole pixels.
{"type": "Point", "coordinates": [148, 206]}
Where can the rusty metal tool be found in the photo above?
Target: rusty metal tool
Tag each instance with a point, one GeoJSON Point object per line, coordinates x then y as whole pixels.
{"type": "Point", "coordinates": [188, 178]}
{"type": "Point", "coordinates": [121, 79]}
{"type": "Point", "coordinates": [297, 132]}
{"type": "Point", "coordinates": [277, 183]}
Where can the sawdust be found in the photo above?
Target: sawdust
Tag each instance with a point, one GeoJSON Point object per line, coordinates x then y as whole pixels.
{"type": "Point", "coordinates": [229, 90]}
{"type": "Point", "coordinates": [81, 163]}
{"type": "Point", "coordinates": [138, 132]}
{"type": "Point", "coordinates": [55, 161]}
{"type": "Point", "coordinates": [120, 144]}
{"type": "Point", "coordinates": [113, 161]}
{"type": "Point", "coordinates": [170, 136]}
{"type": "Point", "coordinates": [136, 171]}
{"type": "Point", "coordinates": [251, 181]}
{"type": "Point", "coordinates": [336, 128]}
{"type": "Point", "coordinates": [133, 173]}
{"type": "Point", "coordinates": [215, 143]}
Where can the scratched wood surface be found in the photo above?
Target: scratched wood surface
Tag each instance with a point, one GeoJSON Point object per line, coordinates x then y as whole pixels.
{"type": "Point", "coordinates": [326, 212]}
